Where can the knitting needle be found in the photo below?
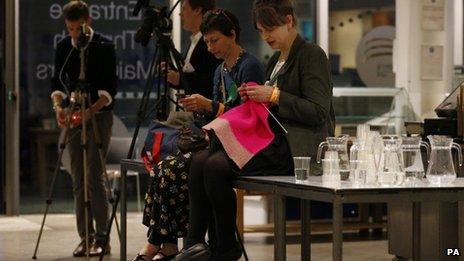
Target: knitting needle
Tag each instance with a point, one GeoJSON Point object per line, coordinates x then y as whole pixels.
{"type": "Point", "coordinates": [278, 122]}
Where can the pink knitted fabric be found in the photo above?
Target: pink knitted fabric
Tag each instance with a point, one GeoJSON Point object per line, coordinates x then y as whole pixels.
{"type": "Point", "coordinates": [243, 131]}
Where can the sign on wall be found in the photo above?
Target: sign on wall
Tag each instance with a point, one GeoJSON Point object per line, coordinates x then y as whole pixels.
{"type": "Point", "coordinates": [433, 15]}
{"type": "Point", "coordinates": [432, 62]}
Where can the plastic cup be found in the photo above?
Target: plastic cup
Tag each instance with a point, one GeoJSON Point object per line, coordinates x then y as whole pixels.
{"type": "Point", "coordinates": [301, 168]}
{"type": "Point", "coordinates": [330, 167]}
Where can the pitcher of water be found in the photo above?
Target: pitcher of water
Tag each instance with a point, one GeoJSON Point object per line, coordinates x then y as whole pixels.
{"type": "Point", "coordinates": [391, 166]}
{"type": "Point", "coordinates": [364, 160]}
{"type": "Point", "coordinates": [441, 167]}
{"type": "Point", "coordinates": [340, 145]}
{"type": "Point", "coordinates": [412, 157]}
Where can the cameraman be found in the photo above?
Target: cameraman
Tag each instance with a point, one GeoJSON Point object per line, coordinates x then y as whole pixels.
{"type": "Point", "coordinates": [200, 64]}
{"type": "Point", "coordinates": [101, 84]}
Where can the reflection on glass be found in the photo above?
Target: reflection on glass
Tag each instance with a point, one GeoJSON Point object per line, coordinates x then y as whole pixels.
{"type": "Point", "coordinates": [361, 42]}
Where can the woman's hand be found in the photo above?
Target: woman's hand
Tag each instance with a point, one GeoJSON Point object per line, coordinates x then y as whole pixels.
{"type": "Point", "coordinates": [242, 92]}
{"type": "Point", "coordinates": [173, 77]}
{"type": "Point", "coordinates": [196, 103]}
{"type": "Point", "coordinates": [258, 93]}
{"type": "Point", "coordinates": [60, 114]}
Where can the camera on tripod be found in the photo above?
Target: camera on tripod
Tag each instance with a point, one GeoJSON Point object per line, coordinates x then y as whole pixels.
{"type": "Point", "coordinates": [156, 22]}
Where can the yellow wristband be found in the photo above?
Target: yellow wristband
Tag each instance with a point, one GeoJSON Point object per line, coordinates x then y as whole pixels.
{"type": "Point", "coordinates": [274, 96]}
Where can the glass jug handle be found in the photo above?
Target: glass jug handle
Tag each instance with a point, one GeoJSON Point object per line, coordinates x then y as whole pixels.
{"type": "Point", "coordinates": [458, 148]}
{"type": "Point", "coordinates": [353, 148]}
{"type": "Point", "coordinates": [319, 150]}
{"type": "Point", "coordinates": [427, 148]}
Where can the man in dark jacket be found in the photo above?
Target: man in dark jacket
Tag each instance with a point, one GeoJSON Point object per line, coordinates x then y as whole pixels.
{"type": "Point", "coordinates": [199, 63]}
{"type": "Point", "coordinates": [100, 79]}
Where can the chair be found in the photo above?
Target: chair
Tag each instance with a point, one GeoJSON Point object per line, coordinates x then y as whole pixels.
{"type": "Point", "coordinates": [119, 145]}
{"type": "Point", "coordinates": [117, 150]}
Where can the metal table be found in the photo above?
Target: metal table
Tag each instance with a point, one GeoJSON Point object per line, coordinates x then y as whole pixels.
{"type": "Point", "coordinates": [345, 192]}
{"type": "Point", "coordinates": [337, 194]}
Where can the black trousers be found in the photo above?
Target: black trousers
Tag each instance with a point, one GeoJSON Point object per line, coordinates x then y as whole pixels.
{"type": "Point", "coordinates": [212, 200]}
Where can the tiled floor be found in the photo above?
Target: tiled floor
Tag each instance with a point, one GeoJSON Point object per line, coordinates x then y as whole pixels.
{"type": "Point", "coordinates": [18, 236]}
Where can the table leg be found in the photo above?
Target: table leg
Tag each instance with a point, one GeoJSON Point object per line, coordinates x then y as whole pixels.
{"type": "Point", "coordinates": [416, 227]}
{"type": "Point", "coordinates": [305, 230]}
{"type": "Point", "coordinates": [461, 229]}
{"type": "Point", "coordinates": [337, 236]}
{"type": "Point", "coordinates": [279, 228]}
{"type": "Point", "coordinates": [123, 202]}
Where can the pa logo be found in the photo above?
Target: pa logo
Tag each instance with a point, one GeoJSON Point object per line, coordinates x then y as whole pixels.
{"type": "Point", "coordinates": [453, 252]}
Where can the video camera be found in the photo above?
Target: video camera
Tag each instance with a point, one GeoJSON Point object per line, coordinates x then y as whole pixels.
{"type": "Point", "coordinates": [156, 22]}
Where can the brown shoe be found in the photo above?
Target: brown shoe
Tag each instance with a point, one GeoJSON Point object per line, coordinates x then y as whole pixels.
{"type": "Point", "coordinates": [97, 248]}
{"type": "Point", "coordinates": [81, 249]}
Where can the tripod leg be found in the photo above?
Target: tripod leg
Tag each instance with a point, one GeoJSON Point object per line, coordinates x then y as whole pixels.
{"type": "Point", "coordinates": [84, 144]}
{"type": "Point", "coordinates": [140, 118]}
{"type": "Point", "coordinates": [116, 222]}
{"type": "Point", "coordinates": [49, 200]}
{"type": "Point", "coordinates": [52, 185]}
{"type": "Point", "coordinates": [240, 241]}
{"type": "Point", "coordinates": [113, 216]}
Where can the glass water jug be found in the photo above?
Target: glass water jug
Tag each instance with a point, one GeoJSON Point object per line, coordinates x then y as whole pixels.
{"type": "Point", "coordinates": [412, 157]}
{"type": "Point", "coordinates": [441, 166]}
{"type": "Point", "coordinates": [363, 160]}
{"type": "Point", "coordinates": [340, 145]}
{"type": "Point", "coordinates": [391, 166]}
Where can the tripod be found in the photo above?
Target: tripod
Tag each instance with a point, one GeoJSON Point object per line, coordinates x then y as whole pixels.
{"type": "Point", "coordinates": [80, 99]}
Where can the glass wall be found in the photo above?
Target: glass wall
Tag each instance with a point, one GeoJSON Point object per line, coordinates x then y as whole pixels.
{"type": "Point", "coordinates": [250, 39]}
{"type": "Point", "coordinates": [361, 38]}
{"type": "Point", "coordinates": [41, 28]}
{"type": "Point", "coordinates": [361, 35]}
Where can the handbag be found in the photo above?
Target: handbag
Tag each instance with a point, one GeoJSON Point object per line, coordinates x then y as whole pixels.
{"type": "Point", "coordinates": [161, 141]}
{"type": "Point", "coordinates": [190, 141]}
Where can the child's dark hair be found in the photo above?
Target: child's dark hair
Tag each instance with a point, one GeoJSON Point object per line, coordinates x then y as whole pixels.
{"type": "Point", "coordinates": [271, 13]}
{"type": "Point", "coordinates": [222, 21]}
{"type": "Point", "coordinates": [75, 10]}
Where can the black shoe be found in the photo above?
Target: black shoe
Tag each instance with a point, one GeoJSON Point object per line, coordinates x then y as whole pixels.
{"type": "Point", "coordinates": [197, 252]}
{"type": "Point", "coordinates": [81, 248]}
{"type": "Point", "coordinates": [232, 254]}
{"type": "Point", "coordinates": [163, 257]}
{"type": "Point", "coordinates": [96, 249]}
{"type": "Point", "coordinates": [140, 257]}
